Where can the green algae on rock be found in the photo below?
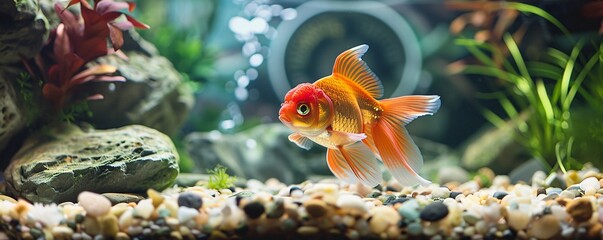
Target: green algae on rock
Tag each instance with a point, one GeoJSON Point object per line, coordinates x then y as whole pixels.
{"type": "Point", "coordinates": [56, 167]}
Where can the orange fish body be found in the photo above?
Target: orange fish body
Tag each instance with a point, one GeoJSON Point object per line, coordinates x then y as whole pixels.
{"type": "Point", "coordinates": [341, 112]}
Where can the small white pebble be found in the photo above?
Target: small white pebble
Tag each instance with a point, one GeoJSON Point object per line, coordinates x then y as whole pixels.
{"type": "Point", "coordinates": [590, 186]}
{"type": "Point", "coordinates": [440, 192]}
{"type": "Point", "coordinates": [96, 205]}
{"type": "Point", "coordinates": [185, 214]}
{"type": "Point", "coordinates": [144, 209]}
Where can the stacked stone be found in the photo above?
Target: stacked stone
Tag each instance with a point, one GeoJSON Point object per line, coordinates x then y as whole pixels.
{"type": "Point", "coordinates": [326, 209]}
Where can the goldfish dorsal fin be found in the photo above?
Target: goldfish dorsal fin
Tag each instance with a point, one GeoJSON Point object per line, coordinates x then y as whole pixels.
{"type": "Point", "coordinates": [350, 65]}
{"type": "Point", "coordinates": [300, 140]}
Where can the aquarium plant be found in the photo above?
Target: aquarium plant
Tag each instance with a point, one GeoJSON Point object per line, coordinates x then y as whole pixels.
{"type": "Point", "coordinates": [76, 41]}
{"type": "Point", "coordinates": [219, 179]}
{"type": "Point", "coordinates": [539, 93]}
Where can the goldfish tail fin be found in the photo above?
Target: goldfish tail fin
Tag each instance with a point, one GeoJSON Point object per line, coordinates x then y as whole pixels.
{"type": "Point", "coordinates": [354, 163]}
{"type": "Point", "coordinates": [398, 151]}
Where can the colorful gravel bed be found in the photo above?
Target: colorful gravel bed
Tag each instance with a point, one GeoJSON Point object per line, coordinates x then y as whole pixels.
{"type": "Point", "coordinates": [488, 207]}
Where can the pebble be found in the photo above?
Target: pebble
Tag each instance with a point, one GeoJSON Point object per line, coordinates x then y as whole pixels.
{"type": "Point", "coordinates": [590, 186]}
{"type": "Point", "coordinates": [307, 230]}
{"type": "Point", "coordinates": [434, 212]}
{"type": "Point", "coordinates": [517, 219]}
{"type": "Point", "coordinates": [144, 209]}
{"type": "Point", "coordinates": [545, 227]}
{"type": "Point", "coordinates": [116, 198]}
{"type": "Point", "coordinates": [499, 195]}
{"type": "Point", "coordinates": [440, 192]}
{"type": "Point", "coordinates": [109, 226]}
{"type": "Point", "coordinates": [410, 210]}
{"type": "Point", "coordinates": [414, 228]}
{"type": "Point", "coordinates": [186, 214]}
{"type": "Point", "coordinates": [254, 209]}
{"type": "Point", "coordinates": [190, 200]}
{"type": "Point", "coordinates": [329, 208]}
{"type": "Point", "coordinates": [62, 232]}
{"type": "Point", "coordinates": [580, 209]}
{"type": "Point", "coordinates": [95, 204]}
{"type": "Point", "coordinates": [383, 217]}
{"type": "Point", "coordinates": [352, 204]}
{"type": "Point", "coordinates": [315, 208]}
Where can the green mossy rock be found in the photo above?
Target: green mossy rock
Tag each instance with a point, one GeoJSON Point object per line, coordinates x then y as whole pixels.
{"type": "Point", "coordinates": [58, 165]}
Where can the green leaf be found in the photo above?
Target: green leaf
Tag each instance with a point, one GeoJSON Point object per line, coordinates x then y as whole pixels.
{"type": "Point", "coordinates": [526, 8]}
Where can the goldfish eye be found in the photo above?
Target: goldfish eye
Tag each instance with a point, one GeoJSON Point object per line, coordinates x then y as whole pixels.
{"type": "Point", "coordinates": [303, 109]}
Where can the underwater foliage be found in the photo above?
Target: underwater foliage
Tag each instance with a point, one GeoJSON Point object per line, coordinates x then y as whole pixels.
{"type": "Point", "coordinates": [74, 43]}
{"type": "Point", "coordinates": [219, 179]}
{"type": "Point", "coordinates": [538, 93]}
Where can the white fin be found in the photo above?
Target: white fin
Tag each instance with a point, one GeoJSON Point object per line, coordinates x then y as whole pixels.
{"type": "Point", "coordinates": [300, 140]}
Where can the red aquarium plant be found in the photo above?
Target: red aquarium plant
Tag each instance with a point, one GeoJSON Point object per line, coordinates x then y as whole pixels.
{"type": "Point", "coordinates": [77, 41]}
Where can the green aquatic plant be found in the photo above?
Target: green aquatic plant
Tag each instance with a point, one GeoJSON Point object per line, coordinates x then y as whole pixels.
{"type": "Point", "coordinates": [219, 179]}
{"type": "Point", "coordinates": [540, 93]}
{"type": "Point", "coordinates": [544, 90]}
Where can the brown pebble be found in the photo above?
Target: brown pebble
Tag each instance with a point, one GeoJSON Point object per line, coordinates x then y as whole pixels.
{"type": "Point", "coordinates": [109, 226]}
{"type": "Point", "coordinates": [316, 208]}
{"type": "Point", "coordinates": [91, 226]}
{"type": "Point", "coordinates": [122, 236]}
{"type": "Point", "coordinates": [594, 232]}
{"type": "Point", "coordinates": [155, 196]}
{"type": "Point", "coordinates": [580, 209]}
{"type": "Point", "coordinates": [116, 198]}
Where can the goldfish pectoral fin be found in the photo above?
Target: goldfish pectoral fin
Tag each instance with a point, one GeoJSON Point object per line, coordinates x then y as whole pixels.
{"type": "Point", "coordinates": [399, 153]}
{"type": "Point", "coordinates": [355, 163]}
{"type": "Point", "coordinates": [350, 65]}
{"type": "Point", "coordinates": [407, 108]}
{"type": "Point", "coordinates": [300, 140]}
{"type": "Point", "coordinates": [343, 138]}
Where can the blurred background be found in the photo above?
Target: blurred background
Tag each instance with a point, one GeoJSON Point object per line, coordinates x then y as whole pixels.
{"type": "Point", "coordinates": [239, 57]}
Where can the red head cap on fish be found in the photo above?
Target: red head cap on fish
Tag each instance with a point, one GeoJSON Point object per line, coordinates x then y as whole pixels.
{"type": "Point", "coordinates": [307, 109]}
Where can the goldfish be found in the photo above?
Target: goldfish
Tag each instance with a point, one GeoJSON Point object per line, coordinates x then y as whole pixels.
{"type": "Point", "coordinates": [341, 112]}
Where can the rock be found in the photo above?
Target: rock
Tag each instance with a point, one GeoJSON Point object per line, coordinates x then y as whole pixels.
{"type": "Point", "coordinates": [409, 210]}
{"type": "Point", "coordinates": [15, 110]}
{"type": "Point", "coordinates": [261, 153]}
{"type": "Point", "coordinates": [153, 94]}
{"type": "Point", "coordinates": [96, 205]}
{"type": "Point", "coordinates": [580, 209]}
{"type": "Point", "coordinates": [590, 186]}
{"type": "Point", "coordinates": [452, 174]}
{"type": "Point", "coordinates": [494, 147]}
{"type": "Point", "coordinates": [254, 209]}
{"type": "Point", "coordinates": [440, 192]}
{"type": "Point", "coordinates": [383, 217]}
{"type": "Point", "coordinates": [116, 198]}
{"type": "Point", "coordinates": [524, 171]}
{"type": "Point", "coordinates": [316, 208]}
{"type": "Point", "coordinates": [56, 169]}
{"type": "Point", "coordinates": [545, 227]}
{"type": "Point", "coordinates": [434, 211]}
{"type": "Point", "coordinates": [144, 209]}
{"type": "Point", "coordinates": [24, 30]}
{"type": "Point", "coordinates": [109, 227]}
{"type": "Point", "coordinates": [351, 204]}
{"type": "Point", "coordinates": [499, 195]}
{"type": "Point", "coordinates": [517, 219]}
{"type": "Point", "coordinates": [190, 200]}
{"type": "Point", "coordinates": [307, 230]}
{"type": "Point", "coordinates": [185, 214]}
